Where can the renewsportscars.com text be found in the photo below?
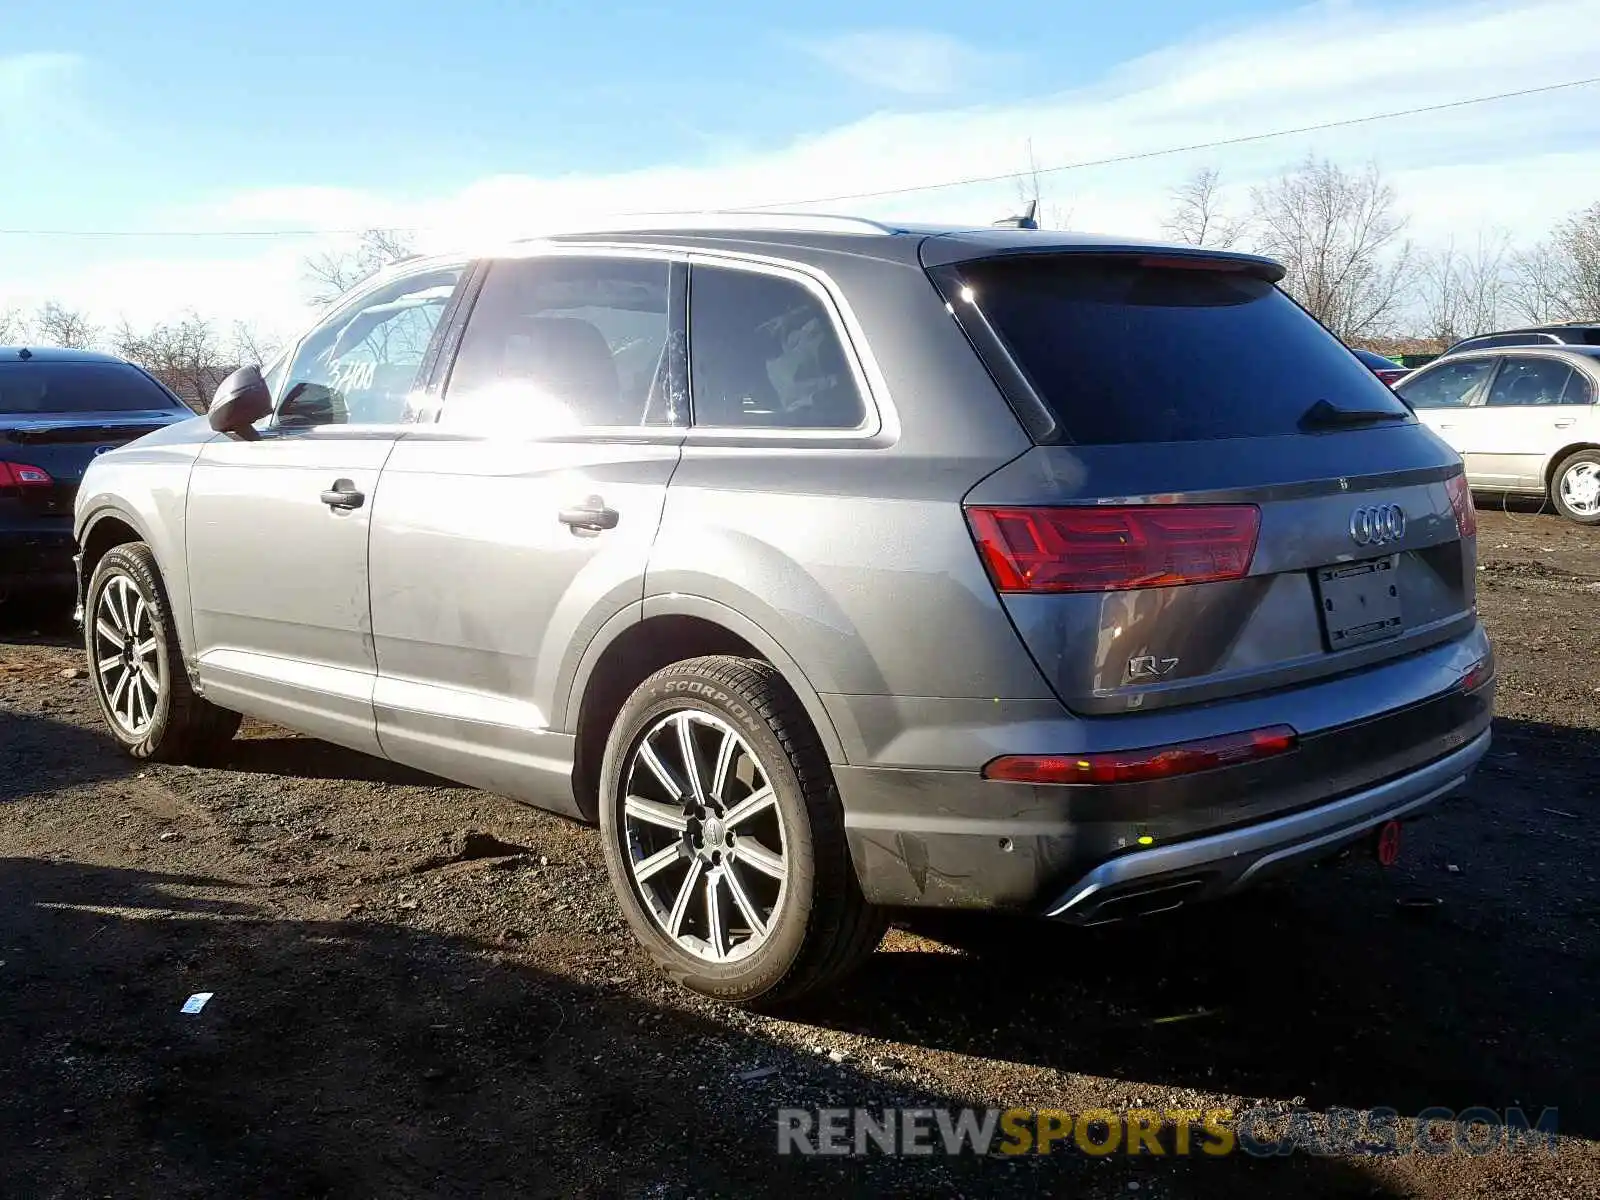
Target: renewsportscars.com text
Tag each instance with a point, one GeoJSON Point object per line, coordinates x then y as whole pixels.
{"type": "Point", "coordinates": [1261, 1132]}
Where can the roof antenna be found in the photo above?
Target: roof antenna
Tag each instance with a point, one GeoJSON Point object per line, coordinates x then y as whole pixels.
{"type": "Point", "coordinates": [1023, 221]}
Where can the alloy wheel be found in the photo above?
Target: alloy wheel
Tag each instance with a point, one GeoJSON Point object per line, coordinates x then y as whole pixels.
{"type": "Point", "coordinates": [127, 667]}
{"type": "Point", "coordinates": [704, 836]}
{"type": "Point", "coordinates": [1580, 489]}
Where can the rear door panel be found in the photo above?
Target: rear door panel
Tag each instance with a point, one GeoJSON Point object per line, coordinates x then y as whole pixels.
{"type": "Point", "coordinates": [482, 599]}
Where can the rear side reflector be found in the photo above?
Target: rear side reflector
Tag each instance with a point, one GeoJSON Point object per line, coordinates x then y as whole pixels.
{"type": "Point", "coordinates": [1094, 549]}
{"type": "Point", "coordinates": [21, 475]}
{"type": "Point", "coordinates": [1461, 501]}
{"type": "Point", "coordinates": [1139, 766]}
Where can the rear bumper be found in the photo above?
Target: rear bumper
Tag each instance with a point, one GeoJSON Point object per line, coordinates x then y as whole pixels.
{"type": "Point", "coordinates": [951, 839]}
{"type": "Point", "coordinates": [1166, 876]}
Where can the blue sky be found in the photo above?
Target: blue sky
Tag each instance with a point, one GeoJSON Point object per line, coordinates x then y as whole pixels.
{"type": "Point", "coordinates": [406, 97]}
{"type": "Point", "coordinates": [488, 115]}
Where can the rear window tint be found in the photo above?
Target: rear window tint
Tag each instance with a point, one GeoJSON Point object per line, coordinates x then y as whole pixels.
{"type": "Point", "coordinates": [1122, 352]}
{"type": "Point", "coordinates": [78, 387]}
{"type": "Point", "coordinates": [764, 354]}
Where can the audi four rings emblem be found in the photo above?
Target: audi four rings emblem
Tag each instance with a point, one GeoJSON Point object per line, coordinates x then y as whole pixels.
{"type": "Point", "coordinates": [1377, 525]}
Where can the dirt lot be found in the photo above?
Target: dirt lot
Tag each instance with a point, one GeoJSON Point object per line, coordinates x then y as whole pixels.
{"type": "Point", "coordinates": [405, 1005]}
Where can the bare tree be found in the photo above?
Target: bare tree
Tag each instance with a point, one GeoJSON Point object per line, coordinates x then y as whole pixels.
{"type": "Point", "coordinates": [185, 355]}
{"type": "Point", "coordinates": [253, 348]}
{"type": "Point", "coordinates": [1197, 218]}
{"type": "Point", "coordinates": [1048, 215]}
{"type": "Point", "coordinates": [54, 325]}
{"type": "Point", "coordinates": [13, 328]}
{"type": "Point", "coordinates": [1462, 292]}
{"type": "Point", "coordinates": [333, 273]}
{"type": "Point", "coordinates": [1559, 279]}
{"type": "Point", "coordinates": [1339, 237]}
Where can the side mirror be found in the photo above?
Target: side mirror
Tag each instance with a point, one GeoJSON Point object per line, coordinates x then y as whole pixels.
{"type": "Point", "coordinates": [242, 399]}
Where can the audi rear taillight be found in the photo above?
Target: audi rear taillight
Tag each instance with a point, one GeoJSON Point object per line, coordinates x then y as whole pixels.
{"type": "Point", "coordinates": [24, 477]}
{"type": "Point", "coordinates": [1461, 502]}
{"type": "Point", "coordinates": [1105, 549]}
{"type": "Point", "coordinates": [1142, 766]}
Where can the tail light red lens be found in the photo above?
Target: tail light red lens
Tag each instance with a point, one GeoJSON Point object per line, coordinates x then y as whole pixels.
{"type": "Point", "coordinates": [1478, 674]}
{"type": "Point", "coordinates": [1093, 549]}
{"type": "Point", "coordinates": [21, 475]}
{"type": "Point", "coordinates": [1461, 501]}
{"type": "Point", "coordinates": [1140, 766]}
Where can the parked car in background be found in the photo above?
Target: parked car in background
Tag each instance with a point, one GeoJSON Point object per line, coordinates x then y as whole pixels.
{"type": "Point", "coordinates": [1385, 369]}
{"type": "Point", "coordinates": [1575, 333]}
{"type": "Point", "coordinates": [830, 566]}
{"type": "Point", "coordinates": [59, 409]}
{"type": "Point", "coordinates": [1524, 420]}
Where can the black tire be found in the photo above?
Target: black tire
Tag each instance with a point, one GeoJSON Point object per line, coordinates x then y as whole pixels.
{"type": "Point", "coordinates": [1567, 464]}
{"type": "Point", "coordinates": [181, 726]}
{"type": "Point", "coordinates": [820, 927]}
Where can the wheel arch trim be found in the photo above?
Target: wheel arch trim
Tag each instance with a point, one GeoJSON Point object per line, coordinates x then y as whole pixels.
{"type": "Point", "coordinates": [679, 604]}
{"type": "Point", "coordinates": [108, 509]}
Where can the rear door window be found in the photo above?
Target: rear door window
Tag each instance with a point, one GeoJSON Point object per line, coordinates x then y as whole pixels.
{"type": "Point", "coordinates": [1449, 385]}
{"type": "Point", "coordinates": [765, 354]}
{"type": "Point", "coordinates": [1530, 383]}
{"type": "Point", "coordinates": [41, 387]}
{"type": "Point", "coordinates": [1123, 351]}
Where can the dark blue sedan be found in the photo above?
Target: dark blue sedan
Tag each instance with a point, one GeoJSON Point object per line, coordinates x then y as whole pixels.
{"type": "Point", "coordinates": [58, 410]}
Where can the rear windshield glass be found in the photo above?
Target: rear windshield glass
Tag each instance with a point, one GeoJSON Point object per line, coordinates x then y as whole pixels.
{"type": "Point", "coordinates": [78, 387]}
{"type": "Point", "coordinates": [1124, 352]}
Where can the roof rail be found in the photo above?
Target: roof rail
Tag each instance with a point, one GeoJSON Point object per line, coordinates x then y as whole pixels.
{"type": "Point", "coordinates": [729, 219]}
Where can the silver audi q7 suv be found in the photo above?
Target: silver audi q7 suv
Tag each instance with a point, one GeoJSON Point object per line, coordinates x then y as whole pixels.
{"type": "Point", "coordinates": [830, 567]}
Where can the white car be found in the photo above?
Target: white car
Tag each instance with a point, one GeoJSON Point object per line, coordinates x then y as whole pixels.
{"type": "Point", "coordinates": [1524, 420]}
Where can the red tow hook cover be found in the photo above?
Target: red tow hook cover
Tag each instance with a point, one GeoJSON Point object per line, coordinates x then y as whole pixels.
{"type": "Point", "coordinates": [1387, 845]}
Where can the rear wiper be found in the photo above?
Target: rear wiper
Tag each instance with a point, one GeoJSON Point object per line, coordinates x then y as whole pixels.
{"type": "Point", "coordinates": [1323, 415]}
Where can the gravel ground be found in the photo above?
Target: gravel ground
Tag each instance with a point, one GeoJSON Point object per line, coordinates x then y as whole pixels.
{"type": "Point", "coordinates": [425, 990]}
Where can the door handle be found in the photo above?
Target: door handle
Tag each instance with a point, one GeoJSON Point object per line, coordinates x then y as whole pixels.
{"type": "Point", "coordinates": [1564, 424]}
{"type": "Point", "coordinates": [592, 516]}
{"type": "Point", "coordinates": [1447, 427]}
{"type": "Point", "coordinates": [343, 495]}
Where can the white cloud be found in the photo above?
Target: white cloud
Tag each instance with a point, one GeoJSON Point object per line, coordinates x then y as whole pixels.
{"type": "Point", "coordinates": [1518, 165]}
{"type": "Point", "coordinates": [913, 62]}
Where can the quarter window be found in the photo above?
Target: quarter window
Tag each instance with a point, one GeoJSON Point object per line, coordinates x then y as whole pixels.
{"type": "Point", "coordinates": [1450, 385]}
{"type": "Point", "coordinates": [556, 344]}
{"type": "Point", "coordinates": [359, 366]}
{"type": "Point", "coordinates": [1579, 390]}
{"type": "Point", "coordinates": [765, 354]}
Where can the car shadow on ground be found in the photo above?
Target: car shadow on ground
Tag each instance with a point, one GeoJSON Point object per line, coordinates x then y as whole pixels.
{"type": "Point", "coordinates": [353, 1059]}
{"type": "Point", "coordinates": [39, 753]}
{"type": "Point", "coordinates": [1327, 987]}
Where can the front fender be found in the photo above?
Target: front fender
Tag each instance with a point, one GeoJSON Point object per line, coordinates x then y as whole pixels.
{"type": "Point", "coordinates": [146, 486]}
